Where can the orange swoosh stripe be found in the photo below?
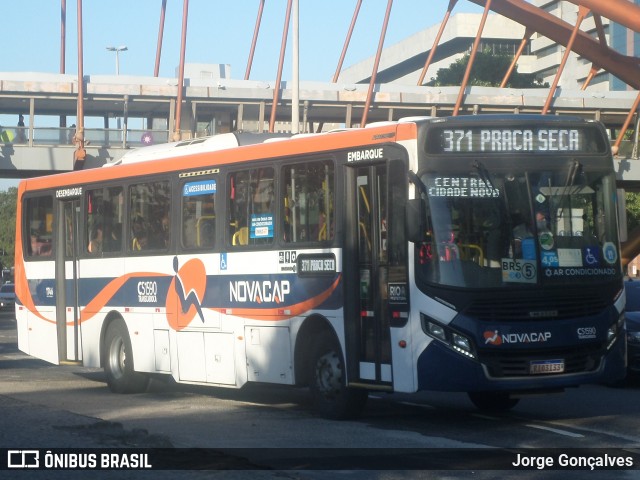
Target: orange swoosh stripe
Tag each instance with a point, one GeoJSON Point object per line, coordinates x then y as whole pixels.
{"type": "Point", "coordinates": [99, 301]}
{"type": "Point", "coordinates": [103, 297]}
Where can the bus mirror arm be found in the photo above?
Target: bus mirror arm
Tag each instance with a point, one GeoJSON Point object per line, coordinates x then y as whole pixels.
{"type": "Point", "coordinates": [415, 179]}
{"type": "Point", "coordinates": [415, 210]}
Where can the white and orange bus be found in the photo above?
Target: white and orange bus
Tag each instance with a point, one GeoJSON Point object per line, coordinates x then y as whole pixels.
{"type": "Point", "coordinates": [476, 254]}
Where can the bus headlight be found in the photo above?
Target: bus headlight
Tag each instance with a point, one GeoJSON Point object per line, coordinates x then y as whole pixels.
{"type": "Point", "coordinates": [461, 344]}
{"type": "Point", "coordinates": [446, 335]}
{"type": "Point", "coordinates": [436, 331]}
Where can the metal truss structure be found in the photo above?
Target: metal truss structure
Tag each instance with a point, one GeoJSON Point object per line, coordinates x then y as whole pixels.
{"type": "Point", "coordinates": [534, 19]}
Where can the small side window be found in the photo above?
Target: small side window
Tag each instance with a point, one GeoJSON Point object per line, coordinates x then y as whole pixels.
{"type": "Point", "coordinates": [251, 207]}
{"type": "Point", "coordinates": [149, 216]}
{"type": "Point", "coordinates": [199, 213]}
{"type": "Point", "coordinates": [308, 202]}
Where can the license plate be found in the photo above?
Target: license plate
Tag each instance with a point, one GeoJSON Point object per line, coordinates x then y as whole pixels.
{"type": "Point", "coordinates": [546, 366]}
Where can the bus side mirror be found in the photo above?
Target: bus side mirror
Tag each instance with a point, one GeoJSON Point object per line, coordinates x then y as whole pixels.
{"type": "Point", "coordinates": [415, 220]}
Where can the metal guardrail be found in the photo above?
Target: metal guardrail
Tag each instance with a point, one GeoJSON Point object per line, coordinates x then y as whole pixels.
{"type": "Point", "coordinates": [97, 137]}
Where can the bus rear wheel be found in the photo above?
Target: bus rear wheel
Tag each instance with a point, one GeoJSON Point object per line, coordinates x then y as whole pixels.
{"type": "Point", "coordinates": [493, 401]}
{"type": "Point", "coordinates": [331, 397]}
{"type": "Point", "coordinates": [118, 362]}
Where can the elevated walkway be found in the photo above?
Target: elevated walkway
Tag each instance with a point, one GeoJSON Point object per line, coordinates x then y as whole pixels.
{"type": "Point", "coordinates": [145, 108]}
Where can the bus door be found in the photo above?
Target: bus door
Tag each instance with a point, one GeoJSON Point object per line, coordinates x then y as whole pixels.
{"type": "Point", "coordinates": [366, 309]}
{"type": "Point", "coordinates": [67, 306]}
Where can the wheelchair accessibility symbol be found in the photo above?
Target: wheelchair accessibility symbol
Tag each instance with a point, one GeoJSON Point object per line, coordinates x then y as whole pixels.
{"type": "Point", "coordinates": [223, 261]}
{"type": "Point", "coordinates": [591, 256]}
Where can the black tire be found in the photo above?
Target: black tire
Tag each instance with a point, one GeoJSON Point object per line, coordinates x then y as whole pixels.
{"type": "Point", "coordinates": [630, 379]}
{"type": "Point", "coordinates": [118, 361]}
{"type": "Point", "coordinates": [493, 401]}
{"type": "Point", "coordinates": [331, 398]}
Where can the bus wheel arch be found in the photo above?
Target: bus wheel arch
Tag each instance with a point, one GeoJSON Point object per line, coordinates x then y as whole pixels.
{"type": "Point", "coordinates": [305, 341]}
{"type": "Point", "coordinates": [117, 358]}
{"type": "Point", "coordinates": [109, 319]}
{"type": "Point", "coordinates": [326, 374]}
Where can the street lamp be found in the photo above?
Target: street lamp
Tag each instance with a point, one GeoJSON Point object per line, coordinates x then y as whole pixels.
{"type": "Point", "coordinates": [121, 48]}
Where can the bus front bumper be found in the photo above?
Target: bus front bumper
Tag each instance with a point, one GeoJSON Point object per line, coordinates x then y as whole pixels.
{"type": "Point", "coordinates": [442, 369]}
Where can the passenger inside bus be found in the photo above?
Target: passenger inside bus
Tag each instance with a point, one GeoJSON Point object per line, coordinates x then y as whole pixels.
{"type": "Point", "coordinates": [140, 241]}
{"type": "Point", "coordinates": [489, 222]}
{"type": "Point", "coordinates": [206, 231]}
{"type": "Point", "coordinates": [39, 245]}
{"type": "Point", "coordinates": [522, 237]}
{"type": "Point", "coordinates": [542, 222]}
{"type": "Point", "coordinates": [138, 233]}
{"type": "Point", "coordinates": [95, 241]}
{"type": "Point", "coordinates": [161, 233]}
{"type": "Point", "coordinates": [113, 238]}
{"type": "Point", "coordinates": [189, 233]}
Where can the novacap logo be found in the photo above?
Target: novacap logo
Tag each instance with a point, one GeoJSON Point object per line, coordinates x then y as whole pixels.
{"type": "Point", "coordinates": [186, 292]}
{"type": "Point", "coordinates": [492, 338]}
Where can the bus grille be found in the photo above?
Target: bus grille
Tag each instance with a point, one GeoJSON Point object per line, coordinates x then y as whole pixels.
{"type": "Point", "coordinates": [527, 308]}
{"type": "Point", "coordinates": [516, 364]}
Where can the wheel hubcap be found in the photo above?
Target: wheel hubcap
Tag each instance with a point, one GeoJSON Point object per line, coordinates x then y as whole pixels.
{"type": "Point", "coordinates": [329, 374]}
{"type": "Point", "coordinates": [117, 357]}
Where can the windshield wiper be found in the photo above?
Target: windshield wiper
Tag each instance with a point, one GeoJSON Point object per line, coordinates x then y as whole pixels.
{"type": "Point", "coordinates": [574, 169]}
{"type": "Point", "coordinates": [483, 173]}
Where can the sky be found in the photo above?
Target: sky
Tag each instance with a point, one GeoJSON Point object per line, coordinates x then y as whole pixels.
{"type": "Point", "coordinates": [217, 32]}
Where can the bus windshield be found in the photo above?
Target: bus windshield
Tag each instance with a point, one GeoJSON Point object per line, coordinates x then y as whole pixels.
{"type": "Point", "coordinates": [496, 228]}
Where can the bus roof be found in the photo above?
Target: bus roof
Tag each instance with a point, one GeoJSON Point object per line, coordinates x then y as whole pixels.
{"type": "Point", "coordinates": [195, 145]}
{"type": "Point", "coordinates": [224, 149]}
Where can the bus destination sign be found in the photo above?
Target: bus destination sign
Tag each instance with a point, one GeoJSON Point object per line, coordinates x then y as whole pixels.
{"type": "Point", "coordinates": [513, 140]}
{"type": "Point", "coordinates": [316, 264]}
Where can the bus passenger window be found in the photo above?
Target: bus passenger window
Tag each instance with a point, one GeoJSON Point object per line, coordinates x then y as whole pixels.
{"type": "Point", "coordinates": [103, 218]}
{"type": "Point", "coordinates": [40, 226]}
{"type": "Point", "coordinates": [198, 214]}
{"type": "Point", "coordinates": [308, 202]}
{"type": "Point", "coordinates": [251, 214]}
{"type": "Point", "coordinates": [149, 210]}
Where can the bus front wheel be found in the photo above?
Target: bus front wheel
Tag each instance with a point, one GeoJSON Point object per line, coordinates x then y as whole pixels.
{"type": "Point", "coordinates": [331, 397]}
{"type": "Point", "coordinates": [118, 363]}
{"type": "Point", "coordinates": [493, 401]}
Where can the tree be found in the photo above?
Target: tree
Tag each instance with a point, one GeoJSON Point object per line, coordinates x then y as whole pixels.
{"type": "Point", "coordinates": [488, 71]}
{"type": "Point", "coordinates": [8, 201]}
{"type": "Point", "coordinates": [632, 201]}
